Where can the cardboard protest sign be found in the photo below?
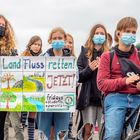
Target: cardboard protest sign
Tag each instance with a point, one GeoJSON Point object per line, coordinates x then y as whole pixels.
{"type": "Point", "coordinates": [35, 84]}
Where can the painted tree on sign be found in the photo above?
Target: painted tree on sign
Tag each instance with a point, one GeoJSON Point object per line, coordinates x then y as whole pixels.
{"type": "Point", "coordinates": [7, 77]}
{"type": "Point", "coordinates": [8, 97]}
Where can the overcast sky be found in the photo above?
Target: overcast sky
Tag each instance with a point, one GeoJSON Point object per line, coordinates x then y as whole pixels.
{"type": "Point", "coordinates": [38, 17]}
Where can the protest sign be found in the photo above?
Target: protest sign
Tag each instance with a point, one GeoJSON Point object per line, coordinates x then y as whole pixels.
{"type": "Point", "coordinates": [30, 83]}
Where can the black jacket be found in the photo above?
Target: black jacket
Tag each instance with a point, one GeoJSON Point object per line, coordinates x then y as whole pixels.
{"type": "Point", "coordinates": [89, 94]}
{"type": "Point", "coordinates": [66, 52]}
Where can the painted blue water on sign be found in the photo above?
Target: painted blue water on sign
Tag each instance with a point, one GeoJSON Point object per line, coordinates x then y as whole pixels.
{"type": "Point", "coordinates": [39, 105]}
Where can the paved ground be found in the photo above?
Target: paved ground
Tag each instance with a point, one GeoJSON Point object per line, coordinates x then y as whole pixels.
{"type": "Point", "coordinates": [11, 131]}
{"type": "Point", "coordinates": [12, 134]}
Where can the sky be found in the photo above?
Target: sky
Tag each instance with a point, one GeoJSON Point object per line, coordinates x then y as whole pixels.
{"type": "Point", "coordinates": [77, 17]}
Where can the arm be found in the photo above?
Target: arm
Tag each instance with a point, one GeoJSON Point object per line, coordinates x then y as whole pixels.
{"type": "Point", "coordinates": [138, 86]}
{"type": "Point", "coordinates": [104, 82]}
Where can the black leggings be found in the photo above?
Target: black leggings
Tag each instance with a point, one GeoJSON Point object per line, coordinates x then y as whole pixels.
{"type": "Point", "coordinates": [2, 123]}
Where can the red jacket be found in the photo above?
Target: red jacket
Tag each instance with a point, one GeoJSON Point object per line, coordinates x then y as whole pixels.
{"type": "Point", "coordinates": [110, 80]}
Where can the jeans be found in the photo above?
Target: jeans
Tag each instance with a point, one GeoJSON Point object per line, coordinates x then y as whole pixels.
{"type": "Point", "coordinates": [115, 107]}
{"type": "Point", "coordinates": [60, 121]}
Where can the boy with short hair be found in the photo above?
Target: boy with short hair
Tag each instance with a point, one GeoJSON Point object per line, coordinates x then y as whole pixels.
{"type": "Point", "coordinates": [119, 81]}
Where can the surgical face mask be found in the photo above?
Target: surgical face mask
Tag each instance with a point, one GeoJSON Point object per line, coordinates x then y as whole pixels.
{"type": "Point", "coordinates": [98, 39]}
{"type": "Point", "coordinates": [58, 44]}
{"type": "Point", "coordinates": [2, 31]}
{"type": "Point", "coordinates": [128, 39]}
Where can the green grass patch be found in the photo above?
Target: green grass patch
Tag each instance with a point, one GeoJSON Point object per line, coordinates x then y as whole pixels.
{"type": "Point", "coordinates": [16, 109]}
{"type": "Point", "coordinates": [27, 106]}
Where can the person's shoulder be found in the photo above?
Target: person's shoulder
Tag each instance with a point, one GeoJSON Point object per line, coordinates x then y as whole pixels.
{"type": "Point", "coordinates": [14, 52]}
{"type": "Point", "coordinates": [46, 54]}
{"type": "Point", "coordinates": [82, 53]}
{"type": "Point", "coordinates": [50, 52]}
{"type": "Point", "coordinates": [66, 52]}
{"type": "Point", "coordinates": [83, 49]}
{"type": "Point", "coordinates": [136, 52]}
{"type": "Point", "coordinates": [106, 54]}
{"type": "Point", "coordinates": [25, 53]}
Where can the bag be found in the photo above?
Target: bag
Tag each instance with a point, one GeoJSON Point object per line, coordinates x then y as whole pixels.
{"type": "Point", "coordinates": [111, 53]}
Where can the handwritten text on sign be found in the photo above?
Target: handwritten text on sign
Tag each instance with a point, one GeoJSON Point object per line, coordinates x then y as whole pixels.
{"type": "Point", "coordinates": [63, 102]}
{"type": "Point", "coordinates": [62, 82]}
{"type": "Point", "coordinates": [61, 63]}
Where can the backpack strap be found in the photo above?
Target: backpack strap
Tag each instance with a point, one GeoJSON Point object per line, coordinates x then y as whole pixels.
{"type": "Point", "coordinates": [111, 57]}
{"type": "Point", "coordinates": [139, 54]}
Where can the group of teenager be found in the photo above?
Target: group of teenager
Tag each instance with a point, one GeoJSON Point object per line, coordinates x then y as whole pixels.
{"type": "Point", "coordinates": [108, 86]}
{"type": "Point", "coordinates": [62, 45]}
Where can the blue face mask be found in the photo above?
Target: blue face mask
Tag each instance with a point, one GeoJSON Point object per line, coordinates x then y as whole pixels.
{"type": "Point", "coordinates": [58, 44]}
{"type": "Point", "coordinates": [98, 39]}
{"type": "Point", "coordinates": [128, 39]}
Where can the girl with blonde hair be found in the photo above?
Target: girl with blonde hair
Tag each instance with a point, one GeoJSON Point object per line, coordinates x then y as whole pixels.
{"type": "Point", "coordinates": [69, 43]}
{"type": "Point", "coordinates": [60, 120]}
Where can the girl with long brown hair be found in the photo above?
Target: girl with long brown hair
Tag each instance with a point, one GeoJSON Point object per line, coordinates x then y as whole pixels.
{"type": "Point", "coordinates": [89, 102]}
{"type": "Point", "coordinates": [33, 48]}
{"type": "Point", "coordinates": [8, 48]}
